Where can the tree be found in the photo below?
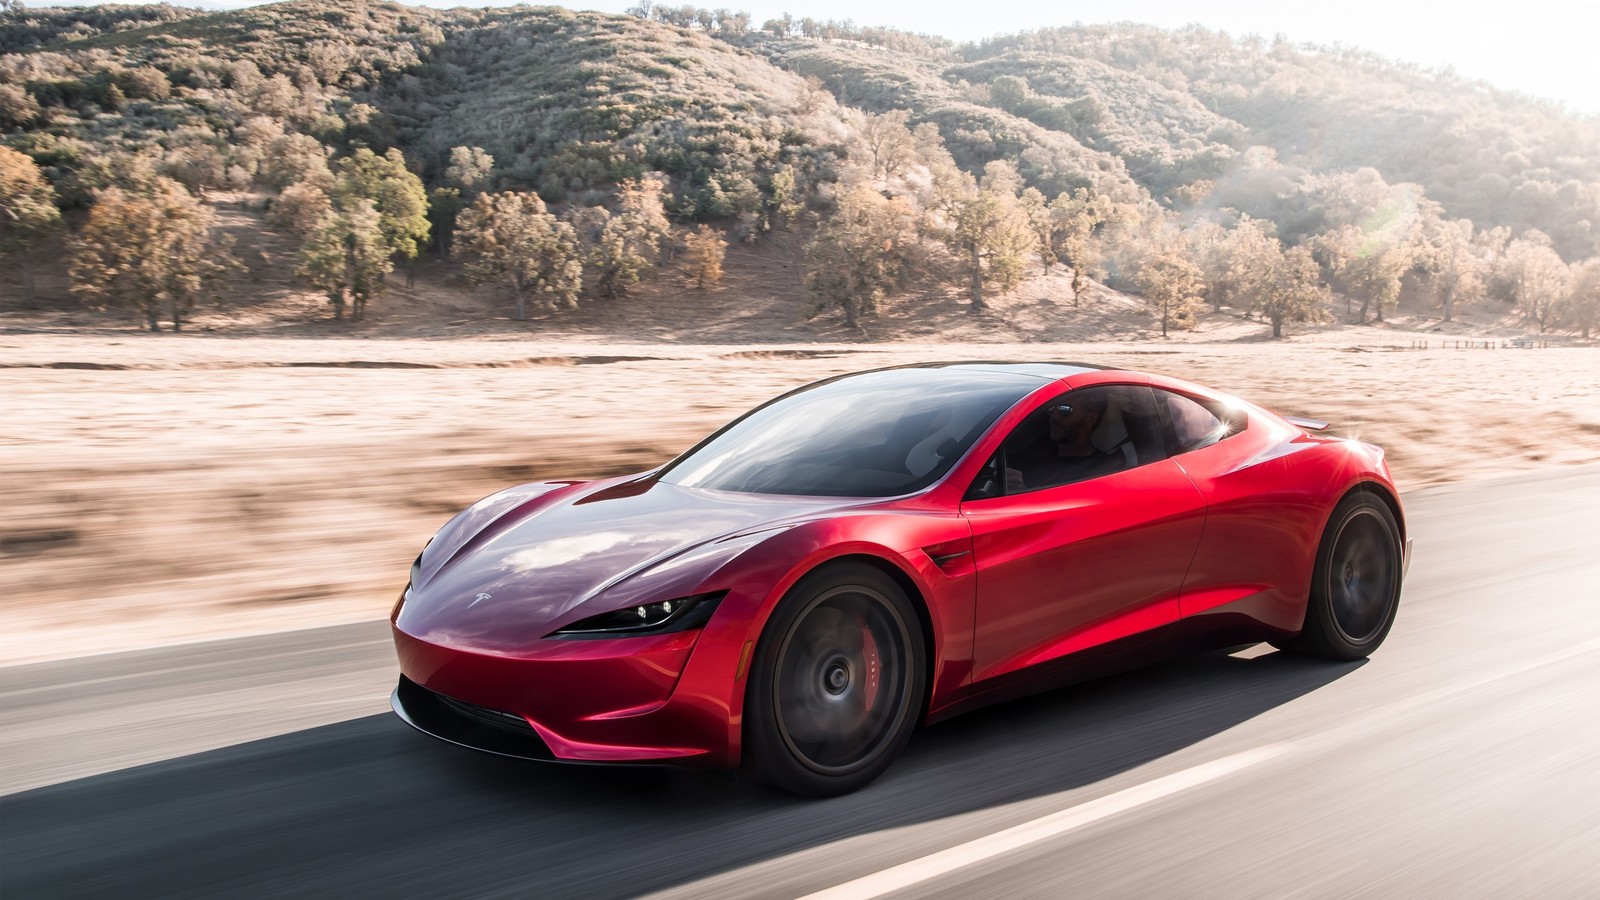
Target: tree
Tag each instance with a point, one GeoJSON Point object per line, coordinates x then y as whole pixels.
{"type": "Point", "coordinates": [27, 209]}
{"type": "Point", "coordinates": [150, 249]}
{"type": "Point", "coordinates": [618, 262]}
{"type": "Point", "coordinates": [1368, 263]}
{"type": "Point", "coordinates": [347, 257]}
{"type": "Point", "coordinates": [889, 142]}
{"type": "Point", "coordinates": [588, 222]}
{"type": "Point", "coordinates": [1043, 225]}
{"type": "Point", "coordinates": [196, 166]}
{"type": "Point", "coordinates": [1336, 250]}
{"type": "Point", "coordinates": [513, 240]}
{"type": "Point", "coordinates": [1377, 273]}
{"type": "Point", "coordinates": [1290, 290]}
{"type": "Point", "coordinates": [1001, 177]}
{"type": "Point", "coordinates": [1076, 218]}
{"type": "Point", "coordinates": [788, 200]}
{"type": "Point", "coordinates": [812, 97]}
{"type": "Point", "coordinates": [145, 83]}
{"type": "Point", "coordinates": [1244, 263]}
{"type": "Point", "coordinates": [299, 209]}
{"type": "Point", "coordinates": [1172, 285]}
{"type": "Point", "coordinates": [861, 253]}
{"type": "Point", "coordinates": [1449, 254]}
{"type": "Point", "coordinates": [629, 242]}
{"type": "Point", "coordinates": [469, 169]}
{"type": "Point", "coordinates": [295, 159]}
{"type": "Point", "coordinates": [1206, 243]}
{"type": "Point", "coordinates": [1541, 279]}
{"type": "Point", "coordinates": [639, 201]}
{"type": "Point", "coordinates": [1008, 92]}
{"type": "Point", "coordinates": [444, 205]}
{"type": "Point", "coordinates": [1582, 309]}
{"type": "Point", "coordinates": [703, 252]}
{"type": "Point", "coordinates": [1248, 267]}
{"type": "Point", "coordinates": [985, 226]}
{"type": "Point", "coordinates": [17, 106]}
{"type": "Point", "coordinates": [396, 193]}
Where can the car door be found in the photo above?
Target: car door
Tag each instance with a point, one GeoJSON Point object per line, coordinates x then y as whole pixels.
{"type": "Point", "coordinates": [1252, 560]}
{"type": "Point", "coordinates": [1064, 567]}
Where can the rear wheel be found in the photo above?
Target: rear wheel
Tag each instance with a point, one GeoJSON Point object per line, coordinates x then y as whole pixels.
{"type": "Point", "coordinates": [1355, 588]}
{"type": "Point", "coordinates": [836, 683]}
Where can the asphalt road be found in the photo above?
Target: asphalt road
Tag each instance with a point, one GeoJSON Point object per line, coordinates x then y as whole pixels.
{"type": "Point", "coordinates": [1462, 760]}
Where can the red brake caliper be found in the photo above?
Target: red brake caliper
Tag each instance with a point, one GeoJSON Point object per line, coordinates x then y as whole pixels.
{"type": "Point", "coordinates": [869, 648]}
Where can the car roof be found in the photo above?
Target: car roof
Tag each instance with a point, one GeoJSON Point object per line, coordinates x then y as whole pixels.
{"type": "Point", "coordinates": [1049, 371]}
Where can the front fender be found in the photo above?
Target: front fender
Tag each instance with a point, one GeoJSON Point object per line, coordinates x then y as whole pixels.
{"type": "Point", "coordinates": [758, 578]}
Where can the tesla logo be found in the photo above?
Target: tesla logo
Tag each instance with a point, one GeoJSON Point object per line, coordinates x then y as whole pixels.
{"type": "Point", "coordinates": [478, 599]}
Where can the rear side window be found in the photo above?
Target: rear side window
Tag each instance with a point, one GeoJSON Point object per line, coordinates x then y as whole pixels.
{"type": "Point", "coordinates": [1192, 424]}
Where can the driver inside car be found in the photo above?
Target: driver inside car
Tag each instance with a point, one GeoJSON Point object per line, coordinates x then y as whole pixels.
{"type": "Point", "coordinates": [1069, 455]}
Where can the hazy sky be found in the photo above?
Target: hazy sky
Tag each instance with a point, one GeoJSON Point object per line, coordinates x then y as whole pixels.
{"type": "Point", "coordinates": [1540, 47]}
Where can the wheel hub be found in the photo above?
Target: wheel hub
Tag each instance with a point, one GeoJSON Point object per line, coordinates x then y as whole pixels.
{"type": "Point", "coordinates": [836, 677]}
{"type": "Point", "coordinates": [1366, 568]}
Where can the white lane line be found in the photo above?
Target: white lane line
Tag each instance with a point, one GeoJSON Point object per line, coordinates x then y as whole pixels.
{"type": "Point", "coordinates": [980, 849]}
{"type": "Point", "coordinates": [1043, 828]}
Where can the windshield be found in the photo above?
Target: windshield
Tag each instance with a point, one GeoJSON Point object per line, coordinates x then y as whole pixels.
{"type": "Point", "coordinates": [878, 434]}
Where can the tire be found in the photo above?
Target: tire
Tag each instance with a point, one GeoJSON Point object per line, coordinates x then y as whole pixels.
{"type": "Point", "coordinates": [1355, 587]}
{"type": "Point", "coordinates": [837, 684]}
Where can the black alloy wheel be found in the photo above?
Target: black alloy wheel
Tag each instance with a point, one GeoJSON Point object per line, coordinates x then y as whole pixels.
{"type": "Point", "coordinates": [837, 684]}
{"type": "Point", "coordinates": [1363, 575]}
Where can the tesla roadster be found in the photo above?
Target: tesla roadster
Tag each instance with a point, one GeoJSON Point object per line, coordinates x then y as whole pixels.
{"type": "Point", "coordinates": [800, 590]}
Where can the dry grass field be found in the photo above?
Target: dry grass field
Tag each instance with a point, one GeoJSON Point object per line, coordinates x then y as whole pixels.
{"type": "Point", "coordinates": [170, 488]}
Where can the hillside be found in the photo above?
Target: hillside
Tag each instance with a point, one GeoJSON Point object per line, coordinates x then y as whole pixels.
{"type": "Point", "coordinates": [1177, 107]}
{"type": "Point", "coordinates": [1498, 158]}
{"type": "Point", "coordinates": [568, 102]}
{"type": "Point", "coordinates": [1189, 135]}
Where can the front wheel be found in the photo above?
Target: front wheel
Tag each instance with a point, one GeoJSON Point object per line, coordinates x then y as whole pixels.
{"type": "Point", "coordinates": [837, 682]}
{"type": "Point", "coordinates": [1355, 588]}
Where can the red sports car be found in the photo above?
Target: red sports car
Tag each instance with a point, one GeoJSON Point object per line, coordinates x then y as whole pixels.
{"type": "Point", "coordinates": [799, 590]}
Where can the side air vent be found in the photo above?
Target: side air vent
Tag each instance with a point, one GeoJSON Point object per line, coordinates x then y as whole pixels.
{"type": "Point", "coordinates": [952, 557]}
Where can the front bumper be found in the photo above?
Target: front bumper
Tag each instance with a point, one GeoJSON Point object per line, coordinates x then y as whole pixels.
{"type": "Point", "coordinates": [591, 701]}
{"type": "Point", "coordinates": [465, 725]}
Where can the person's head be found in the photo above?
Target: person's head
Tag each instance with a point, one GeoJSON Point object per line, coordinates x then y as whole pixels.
{"type": "Point", "coordinates": [1076, 419]}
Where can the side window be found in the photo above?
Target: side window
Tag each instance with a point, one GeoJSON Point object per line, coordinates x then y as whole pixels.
{"type": "Point", "coordinates": [1076, 436]}
{"type": "Point", "coordinates": [1193, 424]}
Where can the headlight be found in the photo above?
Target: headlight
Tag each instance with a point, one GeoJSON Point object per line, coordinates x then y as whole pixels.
{"type": "Point", "coordinates": [662, 617]}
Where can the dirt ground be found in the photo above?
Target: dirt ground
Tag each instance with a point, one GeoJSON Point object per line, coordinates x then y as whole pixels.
{"type": "Point", "coordinates": [164, 488]}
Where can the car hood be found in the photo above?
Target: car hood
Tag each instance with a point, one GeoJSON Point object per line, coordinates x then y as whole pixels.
{"type": "Point", "coordinates": [518, 565]}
